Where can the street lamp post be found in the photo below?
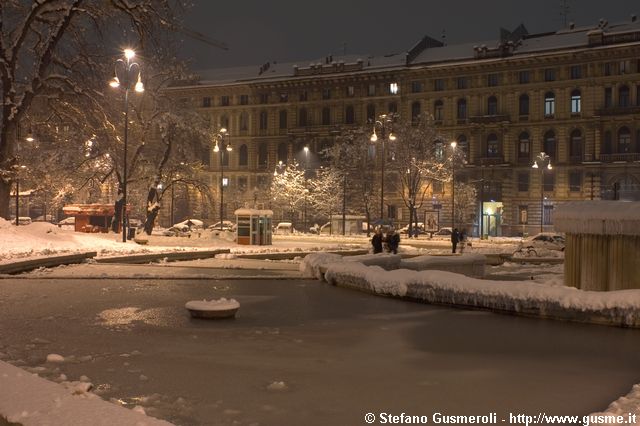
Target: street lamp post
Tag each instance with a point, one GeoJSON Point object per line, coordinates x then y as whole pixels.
{"type": "Point", "coordinates": [542, 158]}
{"type": "Point", "coordinates": [306, 166]}
{"type": "Point", "coordinates": [453, 184]}
{"type": "Point", "coordinates": [18, 169]}
{"type": "Point", "coordinates": [127, 78]}
{"type": "Point", "coordinates": [384, 123]}
{"type": "Point", "coordinates": [221, 146]}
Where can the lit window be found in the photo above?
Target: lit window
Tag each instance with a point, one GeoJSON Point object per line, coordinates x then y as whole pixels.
{"type": "Point", "coordinates": [393, 88]}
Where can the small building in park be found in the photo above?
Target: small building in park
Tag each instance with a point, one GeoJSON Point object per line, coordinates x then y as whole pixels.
{"type": "Point", "coordinates": [253, 227]}
{"type": "Point", "coordinates": [602, 244]}
{"type": "Point", "coordinates": [352, 224]}
{"type": "Point", "coordinates": [92, 217]}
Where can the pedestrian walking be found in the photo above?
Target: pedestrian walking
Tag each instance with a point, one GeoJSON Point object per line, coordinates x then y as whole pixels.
{"type": "Point", "coordinates": [455, 239]}
{"type": "Point", "coordinates": [376, 241]}
{"type": "Point", "coordinates": [393, 241]}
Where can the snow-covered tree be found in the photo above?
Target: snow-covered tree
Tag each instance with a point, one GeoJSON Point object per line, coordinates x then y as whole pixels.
{"type": "Point", "coordinates": [51, 49]}
{"type": "Point", "coordinates": [326, 191]}
{"type": "Point", "coordinates": [288, 188]}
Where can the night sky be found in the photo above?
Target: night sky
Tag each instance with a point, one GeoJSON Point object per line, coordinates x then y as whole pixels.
{"type": "Point", "coordinates": [258, 31]}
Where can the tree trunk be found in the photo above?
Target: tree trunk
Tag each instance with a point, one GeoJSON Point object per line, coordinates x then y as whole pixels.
{"type": "Point", "coordinates": [5, 195]}
{"type": "Point", "coordinates": [153, 207]}
{"type": "Point", "coordinates": [6, 150]}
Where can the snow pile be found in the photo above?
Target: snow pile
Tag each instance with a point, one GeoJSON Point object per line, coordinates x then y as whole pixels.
{"type": "Point", "coordinates": [385, 261]}
{"type": "Point", "coordinates": [598, 217]}
{"type": "Point", "coordinates": [523, 297]}
{"type": "Point", "coordinates": [32, 401]}
{"type": "Point", "coordinates": [624, 406]}
{"type": "Point", "coordinates": [312, 263]}
{"type": "Point", "coordinates": [212, 305]}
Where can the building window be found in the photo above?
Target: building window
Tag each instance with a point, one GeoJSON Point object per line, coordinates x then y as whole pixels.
{"type": "Point", "coordinates": [549, 74]}
{"type": "Point", "coordinates": [244, 99]}
{"type": "Point", "coordinates": [284, 97]}
{"type": "Point", "coordinates": [283, 119]}
{"type": "Point", "coordinates": [575, 181]}
{"type": "Point", "coordinates": [493, 147]}
{"type": "Point", "coordinates": [302, 117]}
{"type": "Point", "coordinates": [416, 86]}
{"type": "Point", "coordinates": [523, 105]}
{"type": "Point", "coordinates": [439, 150]}
{"type": "Point", "coordinates": [206, 102]}
{"type": "Point", "coordinates": [264, 98]}
{"type": "Point", "coordinates": [326, 93]}
{"type": "Point", "coordinates": [492, 80]}
{"type": "Point", "coordinates": [606, 69]}
{"type": "Point", "coordinates": [350, 91]}
{"type": "Point", "coordinates": [264, 120]}
{"type": "Point", "coordinates": [283, 152]}
{"type": "Point", "coordinates": [437, 187]}
{"type": "Point", "coordinates": [607, 145]}
{"type": "Point", "coordinates": [263, 182]}
{"type": "Point", "coordinates": [524, 77]}
{"type": "Point", "coordinates": [463, 82]}
{"type": "Point", "coordinates": [624, 67]}
{"type": "Point", "coordinates": [263, 155]}
{"type": "Point", "coordinates": [242, 183]}
{"type": "Point", "coordinates": [371, 113]}
{"type": "Point", "coordinates": [575, 146]}
{"type": "Point", "coordinates": [623, 96]}
{"type": "Point", "coordinates": [492, 105]}
{"type": "Point", "coordinates": [608, 97]}
{"type": "Point", "coordinates": [576, 104]}
{"type": "Point", "coordinates": [523, 182]}
{"type": "Point", "coordinates": [463, 144]}
{"type": "Point", "coordinates": [393, 88]}
{"type": "Point", "coordinates": [624, 140]}
{"type": "Point", "coordinates": [438, 110]}
{"type": "Point", "coordinates": [549, 181]}
{"type": "Point", "coordinates": [548, 214]}
{"type": "Point", "coordinates": [303, 96]}
{"type": "Point", "coordinates": [575, 72]}
{"type": "Point", "coordinates": [549, 104]}
{"type": "Point", "coordinates": [393, 107]}
{"type": "Point", "coordinates": [326, 116]}
{"type": "Point", "coordinates": [523, 215]}
{"type": "Point", "coordinates": [349, 116]}
{"type": "Point", "coordinates": [438, 84]}
{"type": "Point", "coordinates": [224, 122]}
{"type": "Point", "coordinates": [243, 156]}
{"type": "Point", "coordinates": [415, 112]}
{"type": "Point", "coordinates": [244, 121]}
{"type": "Point", "coordinates": [224, 100]}
{"type": "Point", "coordinates": [462, 109]}
{"type": "Point", "coordinates": [549, 144]}
{"type": "Point", "coordinates": [371, 90]}
{"type": "Point", "coordinates": [524, 147]}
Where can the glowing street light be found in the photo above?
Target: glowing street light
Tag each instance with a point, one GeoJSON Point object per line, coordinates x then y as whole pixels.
{"type": "Point", "coordinates": [384, 124]}
{"type": "Point", "coordinates": [542, 158]}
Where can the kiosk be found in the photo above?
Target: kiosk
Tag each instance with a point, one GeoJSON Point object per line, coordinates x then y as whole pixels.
{"type": "Point", "coordinates": [253, 226]}
{"type": "Point", "coordinates": [92, 217]}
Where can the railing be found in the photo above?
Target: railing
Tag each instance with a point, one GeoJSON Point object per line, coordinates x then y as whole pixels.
{"type": "Point", "coordinates": [491, 161]}
{"type": "Point", "coordinates": [620, 157]}
{"type": "Point", "coordinates": [484, 119]}
{"type": "Point", "coordinates": [618, 110]}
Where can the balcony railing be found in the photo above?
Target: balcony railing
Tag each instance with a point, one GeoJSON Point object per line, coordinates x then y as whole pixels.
{"type": "Point", "coordinates": [484, 119]}
{"type": "Point", "coordinates": [491, 161]}
{"type": "Point", "coordinates": [620, 157]}
{"type": "Point", "coordinates": [618, 110]}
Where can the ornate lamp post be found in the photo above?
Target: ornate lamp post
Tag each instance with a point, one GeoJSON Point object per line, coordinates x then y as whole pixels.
{"type": "Point", "coordinates": [542, 158]}
{"type": "Point", "coordinates": [306, 166]}
{"type": "Point", "coordinates": [454, 144]}
{"type": "Point", "coordinates": [384, 124]}
{"type": "Point", "coordinates": [222, 146]}
{"type": "Point", "coordinates": [127, 78]}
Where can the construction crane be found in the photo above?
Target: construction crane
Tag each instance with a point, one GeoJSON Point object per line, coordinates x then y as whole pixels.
{"type": "Point", "coordinates": [196, 35]}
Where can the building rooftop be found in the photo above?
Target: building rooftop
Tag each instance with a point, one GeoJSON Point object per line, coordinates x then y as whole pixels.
{"type": "Point", "coordinates": [429, 51]}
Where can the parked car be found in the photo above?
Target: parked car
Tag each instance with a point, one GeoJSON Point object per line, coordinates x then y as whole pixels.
{"type": "Point", "coordinates": [227, 225]}
{"type": "Point", "coordinates": [69, 221]}
{"type": "Point", "coordinates": [283, 228]}
{"type": "Point", "coordinates": [544, 240]}
{"type": "Point", "coordinates": [443, 232]}
{"type": "Point", "coordinates": [22, 220]}
{"type": "Point", "coordinates": [190, 224]}
{"type": "Point", "coordinates": [419, 229]}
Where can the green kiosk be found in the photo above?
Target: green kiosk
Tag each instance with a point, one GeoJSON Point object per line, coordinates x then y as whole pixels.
{"type": "Point", "coordinates": [253, 226]}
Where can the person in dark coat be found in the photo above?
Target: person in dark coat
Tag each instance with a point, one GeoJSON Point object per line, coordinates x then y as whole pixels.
{"type": "Point", "coordinates": [393, 241]}
{"type": "Point", "coordinates": [455, 239]}
{"type": "Point", "coordinates": [376, 241]}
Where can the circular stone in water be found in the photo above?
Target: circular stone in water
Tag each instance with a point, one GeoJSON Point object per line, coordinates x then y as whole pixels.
{"type": "Point", "coordinates": [221, 308]}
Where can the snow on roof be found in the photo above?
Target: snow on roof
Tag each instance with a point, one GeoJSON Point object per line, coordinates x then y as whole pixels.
{"type": "Point", "coordinates": [253, 212]}
{"type": "Point", "coordinates": [598, 217]}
